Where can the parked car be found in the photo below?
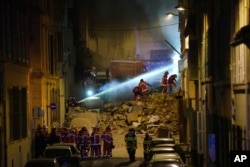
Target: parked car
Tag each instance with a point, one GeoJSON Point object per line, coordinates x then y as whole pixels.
{"type": "Point", "coordinates": [64, 155]}
{"type": "Point", "coordinates": [176, 147]}
{"type": "Point", "coordinates": [164, 145]}
{"type": "Point", "coordinates": [73, 146]}
{"type": "Point", "coordinates": [156, 141]}
{"type": "Point", "coordinates": [166, 160]}
{"type": "Point", "coordinates": [158, 150]}
{"type": "Point", "coordinates": [42, 162]}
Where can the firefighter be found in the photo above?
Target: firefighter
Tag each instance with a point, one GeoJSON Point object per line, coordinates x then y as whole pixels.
{"type": "Point", "coordinates": [107, 142]}
{"type": "Point", "coordinates": [40, 141]}
{"type": "Point", "coordinates": [84, 142]}
{"type": "Point", "coordinates": [131, 144]}
{"type": "Point", "coordinates": [96, 142]}
{"type": "Point", "coordinates": [64, 135]}
{"type": "Point", "coordinates": [146, 146]}
{"type": "Point", "coordinates": [53, 137]}
{"type": "Point", "coordinates": [137, 92]}
{"type": "Point", "coordinates": [172, 82]}
{"type": "Point", "coordinates": [93, 72]}
{"type": "Point", "coordinates": [72, 135]}
{"type": "Point", "coordinates": [164, 82]}
{"type": "Point", "coordinates": [144, 88]}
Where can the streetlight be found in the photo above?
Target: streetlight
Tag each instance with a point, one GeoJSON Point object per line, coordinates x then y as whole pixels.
{"type": "Point", "coordinates": [179, 8]}
{"type": "Point", "coordinates": [171, 14]}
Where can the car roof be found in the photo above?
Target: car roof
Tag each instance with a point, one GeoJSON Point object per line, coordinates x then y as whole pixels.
{"type": "Point", "coordinates": [163, 139]}
{"type": "Point", "coordinates": [58, 147]}
{"type": "Point", "coordinates": [165, 156]}
{"type": "Point", "coordinates": [165, 145]}
{"type": "Point", "coordinates": [168, 140]}
{"type": "Point", "coordinates": [73, 146]}
{"type": "Point", "coordinates": [64, 144]}
{"type": "Point", "coordinates": [162, 148]}
{"type": "Point", "coordinates": [167, 163]}
{"type": "Point", "coordinates": [57, 151]}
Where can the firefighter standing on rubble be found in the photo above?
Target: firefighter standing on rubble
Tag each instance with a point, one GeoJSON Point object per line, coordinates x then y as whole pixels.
{"type": "Point", "coordinates": [137, 92]}
{"type": "Point", "coordinates": [164, 82]}
{"type": "Point", "coordinates": [172, 82]}
{"type": "Point", "coordinates": [131, 144]}
{"type": "Point", "coordinates": [144, 88]}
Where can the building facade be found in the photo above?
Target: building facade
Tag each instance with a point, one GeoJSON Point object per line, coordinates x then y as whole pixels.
{"type": "Point", "coordinates": [215, 79]}
{"type": "Point", "coordinates": [35, 60]}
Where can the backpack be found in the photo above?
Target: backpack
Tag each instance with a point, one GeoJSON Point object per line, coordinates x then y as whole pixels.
{"type": "Point", "coordinates": [137, 89]}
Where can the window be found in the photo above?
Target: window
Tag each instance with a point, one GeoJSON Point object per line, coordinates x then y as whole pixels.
{"type": "Point", "coordinates": [18, 113]}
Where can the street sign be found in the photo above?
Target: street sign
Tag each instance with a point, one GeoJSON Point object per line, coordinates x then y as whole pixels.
{"type": "Point", "coordinates": [52, 106]}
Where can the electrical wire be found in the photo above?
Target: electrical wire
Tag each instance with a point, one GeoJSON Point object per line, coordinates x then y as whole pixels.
{"type": "Point", "coordinates": [132, 29]}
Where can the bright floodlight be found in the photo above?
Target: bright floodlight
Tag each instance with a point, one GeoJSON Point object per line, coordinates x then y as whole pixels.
{"type": "Point", "coordinates": [90, 93]}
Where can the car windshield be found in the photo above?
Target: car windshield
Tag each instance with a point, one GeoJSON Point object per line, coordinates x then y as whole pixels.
{"type": "Point", "coordinates": [73, 149]}
{"type": "Point", "coordinates": [157, 142]}
{"type": "Point", "coordinates": [52, 153]}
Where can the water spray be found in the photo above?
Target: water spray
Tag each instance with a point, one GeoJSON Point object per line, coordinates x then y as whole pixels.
{"type": "Point", "coordinates": [115, 87]}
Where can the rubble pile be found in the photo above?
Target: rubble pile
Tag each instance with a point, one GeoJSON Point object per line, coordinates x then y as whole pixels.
{"type": "Point", "coordinates": [158, 115]}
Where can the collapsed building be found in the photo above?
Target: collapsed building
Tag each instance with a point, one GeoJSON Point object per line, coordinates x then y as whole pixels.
{"type": "Point", "coordinates": [158, 115]}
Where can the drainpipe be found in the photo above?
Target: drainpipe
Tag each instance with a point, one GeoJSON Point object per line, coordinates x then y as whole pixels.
{"type": "Point", "coordinates": [247, 107]}
{"type": "Point", "coordinates": [5, 159]}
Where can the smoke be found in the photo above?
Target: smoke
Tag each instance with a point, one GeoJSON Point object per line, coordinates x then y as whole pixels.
{"type": "Point", "coordinates": [141, 14]}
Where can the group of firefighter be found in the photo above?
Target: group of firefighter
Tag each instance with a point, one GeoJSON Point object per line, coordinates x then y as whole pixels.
{"type": "Point", "coordinates": [96, 144]}
{"type": "Point", "coordinates": [141, 91]}
{"type": "Point", "coordinates": [90, 145]}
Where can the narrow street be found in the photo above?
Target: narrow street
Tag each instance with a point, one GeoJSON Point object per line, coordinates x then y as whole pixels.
{"type": "Point", "coordinates": [120, 156]}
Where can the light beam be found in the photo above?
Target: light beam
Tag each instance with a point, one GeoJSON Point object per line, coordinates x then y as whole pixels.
{"type": "Point", "coordinates": [115, 87]}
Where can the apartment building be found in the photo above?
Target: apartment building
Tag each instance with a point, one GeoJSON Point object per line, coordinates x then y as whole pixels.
{"type": "Point", "coordinates": [34, 73]}
{"type": "Point", "coordinates": [215, 79]}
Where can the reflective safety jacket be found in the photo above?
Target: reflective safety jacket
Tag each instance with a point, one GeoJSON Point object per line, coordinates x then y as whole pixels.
{"type": "Point", "coordinates": [172, 79]}
{"type": "Point", "coordinates": [143, 85]}
{"type": "Point", "coordinates": [84, 138]}
{"type": "Point", "coordinates": [131, 141]}
{"type": "Point", "coordinates": [107, 137]}
{"type": "Point", "coordinates": [96, 139]}
{"type": "Point", "coordinates": [164, 80]}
